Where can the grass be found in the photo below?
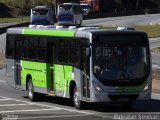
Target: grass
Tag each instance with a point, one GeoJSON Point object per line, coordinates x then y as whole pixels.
{"type": "Point", "coordinates": [153, 31]}
{"type": "Point", "coordinates": [8, 20]}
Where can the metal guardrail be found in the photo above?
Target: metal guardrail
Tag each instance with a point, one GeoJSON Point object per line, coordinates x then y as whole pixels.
{"type": "Point", "coordinates": [4, 29]}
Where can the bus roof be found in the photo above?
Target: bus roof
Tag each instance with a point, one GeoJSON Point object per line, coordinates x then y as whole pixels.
{"type": "Point", "coordinates": [66, 32]}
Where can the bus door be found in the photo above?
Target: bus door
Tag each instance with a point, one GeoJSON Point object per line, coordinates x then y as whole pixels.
{"type": "Point", "coordinates": [17, 65]}
{"type": "Point", "coordinates": [85, 74]}
{"type": "Point", "coordinates": [51, 54]}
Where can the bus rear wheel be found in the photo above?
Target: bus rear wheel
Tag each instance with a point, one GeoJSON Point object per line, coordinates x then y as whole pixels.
{"type": "Point", "coordinates": [76, 100]}
{"type": "Point", "coordinates": [30, 91]}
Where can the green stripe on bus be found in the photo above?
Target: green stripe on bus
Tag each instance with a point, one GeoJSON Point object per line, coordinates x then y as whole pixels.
{"type": "Point", "coordinates": [36, 70]}
{"type": "Point", "coordinates": [41, 75]}
{"type": "Point", "coordinates": [48, 32]}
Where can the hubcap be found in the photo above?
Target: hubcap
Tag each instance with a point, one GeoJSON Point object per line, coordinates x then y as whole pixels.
{"type": "Point", "coordinates": [30, 90]}
{"type": "Point", "coordinates": [76, 101]}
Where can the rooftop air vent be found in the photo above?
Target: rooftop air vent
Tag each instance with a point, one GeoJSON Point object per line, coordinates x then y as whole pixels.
{"type": "Point", "coordinates": [40, 26]}
{"type": "Point", "coordinates": [125, 28]}
{"type": "Point", "coordinates": [59, 27]}
{"type": "Point", "coordinates": [72, 27]}
{"type": "Point", "coordinates": [32, 26]}
{"type": "Point", "coordinates": [87, 28]}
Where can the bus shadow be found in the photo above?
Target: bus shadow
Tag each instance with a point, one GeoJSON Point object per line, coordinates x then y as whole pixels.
{"type": "Point", "coordinates": [139, 106]}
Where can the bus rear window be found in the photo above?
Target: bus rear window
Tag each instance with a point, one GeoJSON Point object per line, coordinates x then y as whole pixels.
{"type": "Point", "coordinates": [40, 11]}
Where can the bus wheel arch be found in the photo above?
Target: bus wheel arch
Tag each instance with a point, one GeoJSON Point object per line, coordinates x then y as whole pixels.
{"type": "Point", "coordinates": [71, 88]}
{"type": "Point", "coordinates": [28, 77]}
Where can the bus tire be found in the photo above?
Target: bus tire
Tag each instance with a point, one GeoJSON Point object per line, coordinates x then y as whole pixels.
{"type": "Point", "coordinates": [127, 105]}
{"type": "Point", "coordinates": [76, 100]}
{"type": "Point", "coordinates": [30, 91]}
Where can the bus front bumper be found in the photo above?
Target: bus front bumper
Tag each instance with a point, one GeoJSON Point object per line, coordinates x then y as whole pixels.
{"type": "Point", "coordinates": [121, 97]}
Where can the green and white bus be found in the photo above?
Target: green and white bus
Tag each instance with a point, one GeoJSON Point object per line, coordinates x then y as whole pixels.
{"type": "Point", "coordinates": [84, 64]}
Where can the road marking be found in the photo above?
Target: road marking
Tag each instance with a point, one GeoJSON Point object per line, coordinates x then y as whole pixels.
{"type": "Point", "coordinates": [154, 47]}
{"type": "Point", "coordinates": [13, 105]}
{"type": "Point", "coordinates": [51, 109]}
{"type": "Point", "coordinates": [155, 53]}
{"type": "Point", "coordinates": [33, 110]}
{"type": "Point", "coordinates": [5, 99]}
{"type": "Point", "coordinates": [59, 108]}
{"type": "Point", "coordinates": [3, 81]}
{"type": "Point", "coordinates": [156, 67]}
{"type": "Point", "coordinates": [155, 94]}
{"type": "Point", "coordinates": [56, 116]}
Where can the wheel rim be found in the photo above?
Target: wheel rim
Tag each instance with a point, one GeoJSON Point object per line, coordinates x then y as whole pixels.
{"type": "Point", "coordinates": [76, 100]}
{"type": "Point", "coordinates": [30, 90]}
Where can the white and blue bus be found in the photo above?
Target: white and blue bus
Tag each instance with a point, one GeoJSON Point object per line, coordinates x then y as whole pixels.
{"type": "Point", "coordinates": [42, 15]}
{"type": "Point", "coordinates": [70, 14]}
{"type": "Point", "coordinates": [85, 65]}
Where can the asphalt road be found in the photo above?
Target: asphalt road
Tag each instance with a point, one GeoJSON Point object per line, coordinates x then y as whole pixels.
{"type": "Point", "coordinates": [155, 57]}
{"type": "Point", "coordinates": [148, 19]}
{"type": "Point", "coordinates": [14, 104]}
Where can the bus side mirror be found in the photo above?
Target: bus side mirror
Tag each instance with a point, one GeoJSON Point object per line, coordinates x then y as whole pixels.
{"type": "Point", "coordinates": [88, 52]}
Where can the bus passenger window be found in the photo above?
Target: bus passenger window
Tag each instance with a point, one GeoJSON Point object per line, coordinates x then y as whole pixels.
{"type": "Point", "coordinates": [32, 48]}
{"type": "Point", "coordinates": [74, 52]}
{"type": "Point", "coordinates": [41, 49]}
{"type": "Point", "coordinates": [63, 51]}
{"type": "Point", "coordinates": [10, 46]}
{"type": "Point", "coordinates": [25, 47]}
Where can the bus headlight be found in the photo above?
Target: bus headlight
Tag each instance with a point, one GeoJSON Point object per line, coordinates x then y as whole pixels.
{"type": "Point", "coordinates": [97, 87]}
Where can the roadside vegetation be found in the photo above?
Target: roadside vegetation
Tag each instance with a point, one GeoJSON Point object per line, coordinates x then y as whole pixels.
{"type": "Point", "coordinates": [153, 31]}
{"type": "Point", "coordinates": [15, 19]}
{"type": "Point", "coordinates": [15, 8]}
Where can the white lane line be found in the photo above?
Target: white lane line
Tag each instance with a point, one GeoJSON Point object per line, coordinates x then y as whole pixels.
{"type": "Point", "coordinates": [33, 110]}
{"type": "Point", "coordinates": [4, 99]}
{"type": "Point", "coordinates": [3, 81]}
{"type": "Point", "coordinates": [155, 66]}
{"type": "Point", "coordinates": [6, 105]}
{"type": "Point", "coordinates": [56, 116]}
{"type": "Point", "coordinates": [52, 107]}
{"type": "Point", "coordinates": [156, 54]}
{"type": "Point", "coordinates": [156, 94]}
{"type": "Point", "coordinates": [154, 47]}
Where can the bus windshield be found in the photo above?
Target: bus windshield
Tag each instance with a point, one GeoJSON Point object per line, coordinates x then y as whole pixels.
{"type": "Point", "coordinates": [40, 11]}
{"type": "Point", "coordinates": [120, 61]}
{"type": "Point", "coordinates": [65, 7]}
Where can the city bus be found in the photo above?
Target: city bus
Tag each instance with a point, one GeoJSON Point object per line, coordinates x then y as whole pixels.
{"type": "Point", "coordinates": [42, 15]}
{"type": "Point", "coordinates": [82, 64]}
{"type": "Point", "coordinates": [70, 14]}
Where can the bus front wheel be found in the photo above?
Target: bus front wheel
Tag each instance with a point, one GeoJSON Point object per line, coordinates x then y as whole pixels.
{"type": "Point", "coordinates": [76, 101]}
{"type": "Point", "coordinates": [30, 89]}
